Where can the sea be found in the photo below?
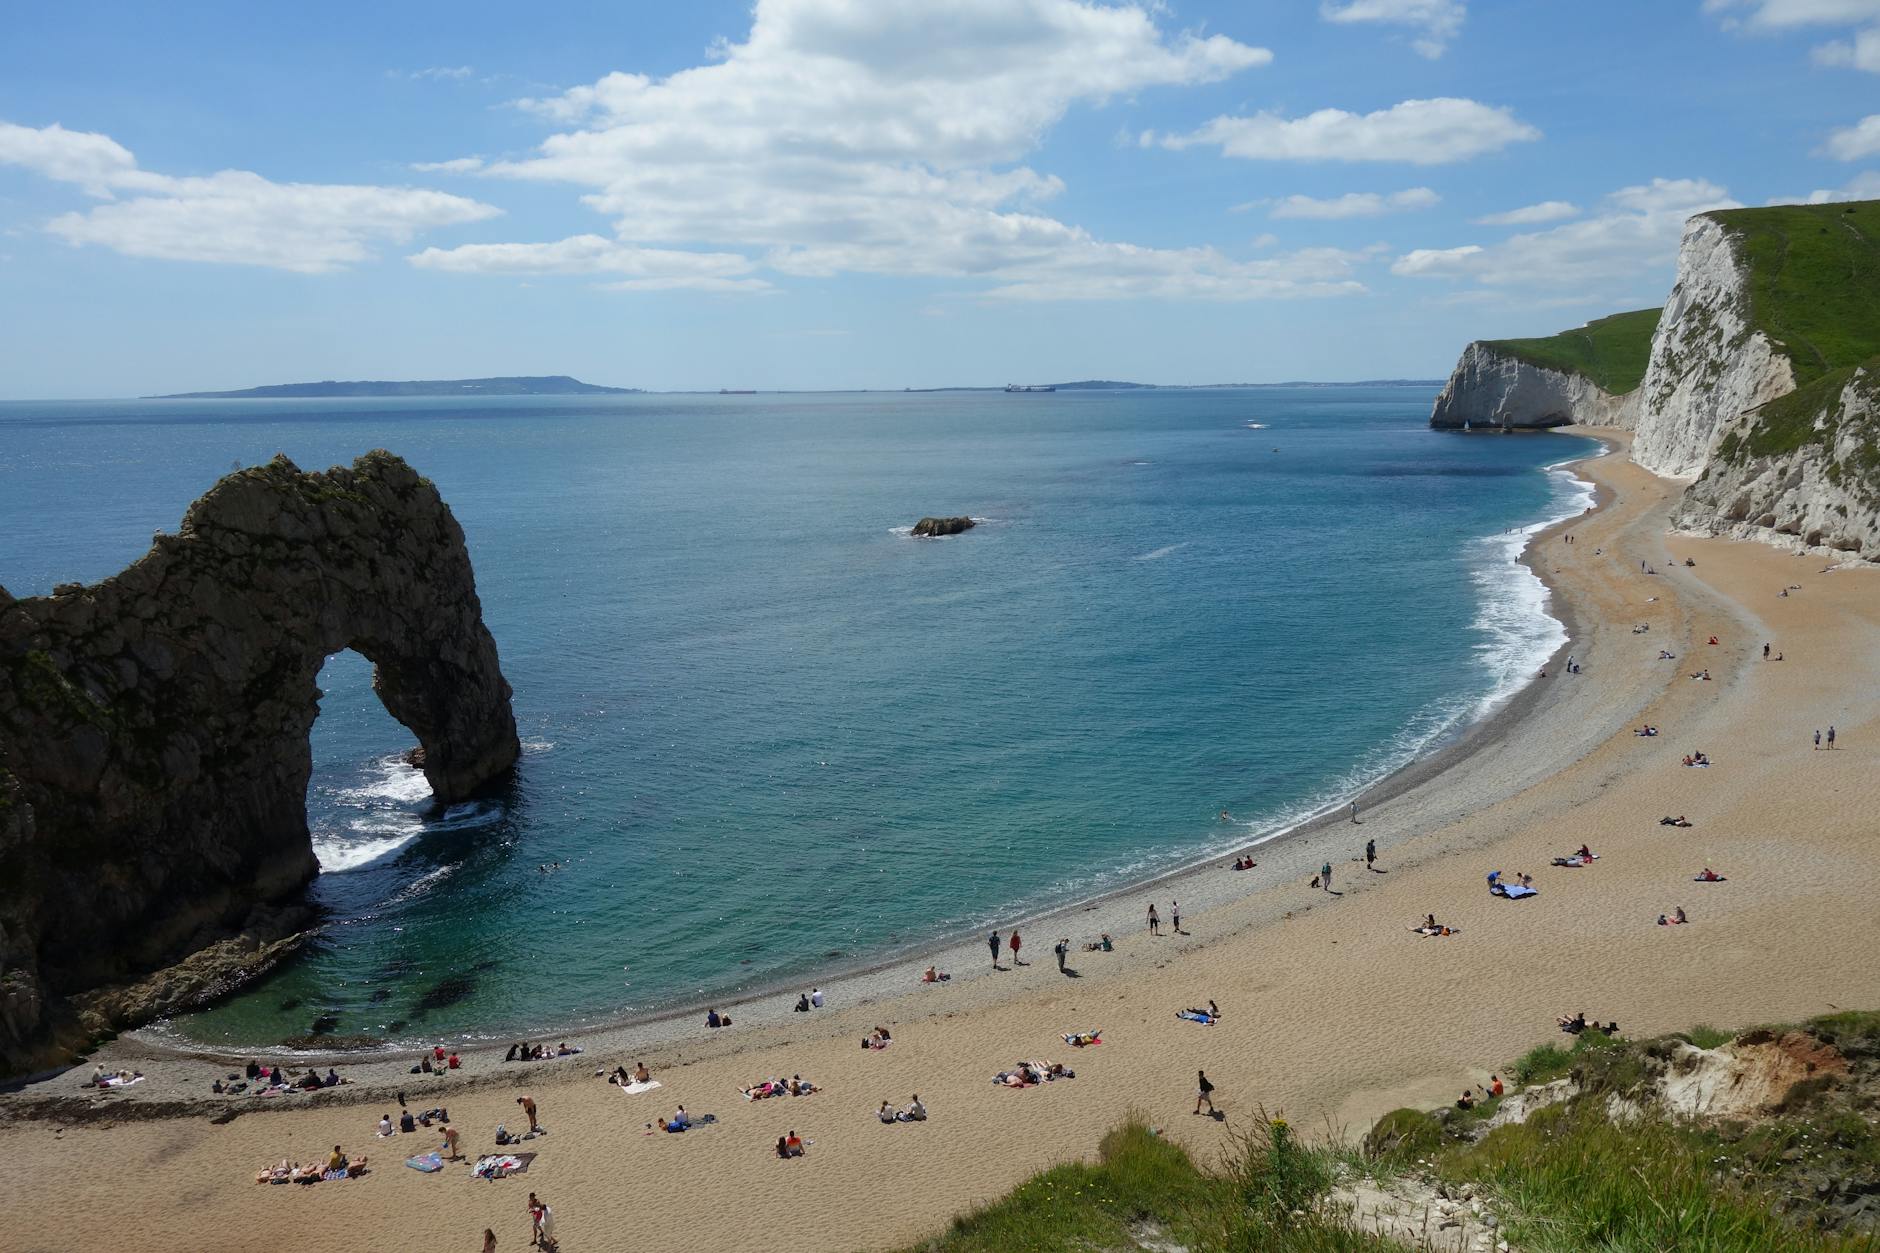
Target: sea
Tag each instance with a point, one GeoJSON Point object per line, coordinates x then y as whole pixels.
{"type": "Point", "coordinates": [767, 733]}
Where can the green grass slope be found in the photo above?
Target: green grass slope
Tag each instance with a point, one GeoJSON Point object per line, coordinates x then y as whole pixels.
{"type": "Point", "coordinates": [1611, 351]}
{"type": "Point", "coordinates": [1814, 280]}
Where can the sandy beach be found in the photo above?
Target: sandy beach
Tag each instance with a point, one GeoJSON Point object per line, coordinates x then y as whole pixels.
{"type": "Point", "coordinates": [1334, 1010]}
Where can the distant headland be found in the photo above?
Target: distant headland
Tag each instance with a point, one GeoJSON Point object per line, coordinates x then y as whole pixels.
{"type": "Point", "coordinates": [519, 385]}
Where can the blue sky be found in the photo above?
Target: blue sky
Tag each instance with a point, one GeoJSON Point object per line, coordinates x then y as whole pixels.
{"type": "Point", "coordinates": [880, 193]}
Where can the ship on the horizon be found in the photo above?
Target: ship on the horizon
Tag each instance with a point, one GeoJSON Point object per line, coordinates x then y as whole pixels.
{"type": "Point", "coordinates": [1029, 387]}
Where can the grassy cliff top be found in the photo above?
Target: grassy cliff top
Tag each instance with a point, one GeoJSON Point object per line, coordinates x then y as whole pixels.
{"type": "Point", "coordinates": [1814, 280]}
{"type": "Point", "coordinates": [1611, 351]}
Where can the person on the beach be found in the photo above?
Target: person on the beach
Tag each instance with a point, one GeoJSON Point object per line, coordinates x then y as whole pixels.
{"type": "Point", "coordinates": [885, 1113]}
{"type": "Point", "coordinates": [1817, 739]}
{"type": "Point", "coordinates": [992, 942]}
{"type": "Point", "coordinates": [1204, 1091]}
{"type": "Point", "coordinates": [1013, 942]}
{"type": "Point", "coordinates": [793, 1144]}
{"type": "Point", "coordinates": [1466, 1100]}
{"type": "Point", "coordinates": [1765, 652]}
{"type": "Point", "coordinates": [1830, 737]}
{"type": "Point", "coordinates": [1325, 876]}
{"type": "Point", "coordinates": [489, 1241]}
{"type": "Point", "coordinates": [538, 1218]}
{"type": "Point", "coordinates": [815, 998]}
{"type": "Point", "coordinates": [1370, 854]}
{"type": "Point", "coordinates": [1062, 947]}
{"type": "Point", "coordinates": [1494, 1085]}
{"type": "Point", "coordinates": [528, 1107]}
{"type": "Point", "coordinates": [1155, 921]}
{"type": "Point", "coordinates": [1175, 916]}
{"type": "Point", "coordinates": [450, 1142]}
{"type": "Point", "coordinates": [802, 1003]}
{"type": "Point", "coordinates": [915, 1112]}
{"type": "Point", "coordinates": [1354, 811]}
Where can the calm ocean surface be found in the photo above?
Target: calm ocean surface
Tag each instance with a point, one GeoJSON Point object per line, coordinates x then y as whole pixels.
{"type": "Point", "coordinates": [767, 732]}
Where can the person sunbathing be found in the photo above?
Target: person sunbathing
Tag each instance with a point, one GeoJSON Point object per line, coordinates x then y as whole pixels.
{"type": "Point", "coordinates": [1709, 876]}
{"type": "Point", "coordinates": [800, 1086]}
{"type": "Point", "coordinates": [1573, 1024]}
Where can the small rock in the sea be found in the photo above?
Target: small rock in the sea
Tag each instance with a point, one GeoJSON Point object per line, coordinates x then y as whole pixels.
{"type": "Point", "coordinates": [934, 527]}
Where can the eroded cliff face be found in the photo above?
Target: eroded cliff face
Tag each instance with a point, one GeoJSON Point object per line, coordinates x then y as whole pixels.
{"type": "Point", "coordinates": [1489, 388]}
{"type": "Point", "coordinates": [1820, 496]}
{"type": "Point", "coordinates": [1707, 365]}
{"type": "Point", "coordinates": [154, 749]}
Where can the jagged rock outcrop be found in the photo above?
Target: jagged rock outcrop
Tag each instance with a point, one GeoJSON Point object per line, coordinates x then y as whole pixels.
{"type": "Point", "coordinates": [154, 750]}
{"type": "Point", "coordinates": [1708, 364]}
{"type": "Point", "coordinates": [1492, 388]}
{"type": "Point", "coordinates": [932, 527]}
{"type": "Point", "coordinates": [1820, 495]}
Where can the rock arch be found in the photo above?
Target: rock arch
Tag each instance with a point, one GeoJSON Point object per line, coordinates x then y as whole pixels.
{"type": "Point", "coordinates": [154, 752]}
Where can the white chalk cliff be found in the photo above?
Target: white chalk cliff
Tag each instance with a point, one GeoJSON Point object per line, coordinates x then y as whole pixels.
{"type": "Point", "coordinates": [1489, 388]}
{"type": "Point", "coordinates": [1696, 413]}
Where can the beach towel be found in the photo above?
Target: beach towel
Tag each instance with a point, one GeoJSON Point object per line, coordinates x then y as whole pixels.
{"type": "Point", "coordinates": [1083, 1039]}
{"type": "Point", "coordinates": [501, 1165]}
{"type": "Point", "coordinates": [1427, 931]}
{"type": "Point", "coordinates": [1576, 860]}
{"type": "Point", "coordinates": [1513, 891]}
{"type": "Point", "coordinates": [632, 1088]}
{"type": "Point", "coordinates": [1722, 878]}
{"type": "Point", "coordinates": [113, 1081]}
{"type": "Point", "coordinates": [426, 1162]}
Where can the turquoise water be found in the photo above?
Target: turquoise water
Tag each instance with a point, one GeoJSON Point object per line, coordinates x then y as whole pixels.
{"type": "Point", "coordinates": [767, 732]}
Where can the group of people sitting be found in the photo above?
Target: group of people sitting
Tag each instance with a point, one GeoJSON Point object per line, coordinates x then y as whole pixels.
{"type": "Point", "coordinates": [1030, 1074]}
{"type": "Point", "coordinates": [879, 1038]}
{"type": "Point", "coordinates": [1245, 862]}
{"type": "Point", "coordinates": [914, 1112]}
{"type": "Point", "coordinates": [1669, 821]}
{"type": "Point", "coordinates": [409, 1122]}
{"type": "Point", "coordinates": [627, 1078]}
{"type": "Point", "coordinates": [807, 1001]}
{"type": "Point", "coordinates": [1699, 758]}
{"type": "Point", "coordinates": [1102, 945]}
{"type": "Point", "coordinates": [790, 1145]}
{"type": "Point", "coordinates": [795, 1085]}
{"type": "Point", "coordinates": [682, 1121]}
{"type": "Point", "coordinates": [1583, 856]}
{"type": "Point", "coordinates": [524, 1052]}
{"type": "Point", "coordinates": [1674, 919]}
{"type": "Point", "coordinates": [932, 975]}
{"type": "Point", "coordinates": [313, 1080]}
{"type": "Point", "coordinates": [1647, 729]}
{"type": "Point", "coordinates": [102, 1078]}
{"type": "Point", "coordinates": [1206, 1017]}
{"type": "Point", "coordinates": [437, 1061]}
{"type": "Point", "coordinates": [715, 1019]}
{"type": "Point", "coordinates": [1703, 674]}
{"type": "Point", "coordinates": [336, 1166]}
{"type": "Point", "coordinates": [1574, 1024]}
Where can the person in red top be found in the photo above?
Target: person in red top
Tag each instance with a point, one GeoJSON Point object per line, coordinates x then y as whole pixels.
{"type": "Point", "coordinates": [1014, 943]}
{"type": "Point", "coordinates": [438, 1052]}
{"type": "Point", "coordinates": [1494, 1085]}
{"type": "Point", "coordinates": [455, 1061]}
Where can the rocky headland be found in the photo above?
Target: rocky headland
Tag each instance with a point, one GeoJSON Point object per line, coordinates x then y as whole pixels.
{"type": "Point", "coordinates": [1758, 384]}
{"type": "Point", "coordinates": [154, 751]}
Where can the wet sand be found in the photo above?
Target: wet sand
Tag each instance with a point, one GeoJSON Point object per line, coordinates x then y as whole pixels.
{"type": "Point", "coordinates": [1334, 1010]}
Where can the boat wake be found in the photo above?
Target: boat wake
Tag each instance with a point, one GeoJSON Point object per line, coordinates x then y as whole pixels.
{"type": "Point", "coordinates": [1159, 553]}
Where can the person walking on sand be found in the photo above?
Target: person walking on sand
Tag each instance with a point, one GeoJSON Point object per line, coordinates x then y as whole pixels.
{"type": "Point", "coordinates": [992, 942]}
{"type": "Point", "coordinates": [1817, 739]}
{"type": "Point", "coordinates": [1063, 947]}
{"type": "Point", "coordinates": [1325, 876]}
{"type": "Point", "coordinates": [1830, 737]}
{"type": "Point", "coordinates": [1204, 1091]}
{"type": "Point", "coordinates": [1013, 942]}
{"type": "Point", "coordinates": [1370, 854]}
{"type": "Point", "coordinates": [1354, 811]}
{"type": "Point", "coordinates": [1175, 916]}
{"type": "Point", "coordinates": [1155, 923]}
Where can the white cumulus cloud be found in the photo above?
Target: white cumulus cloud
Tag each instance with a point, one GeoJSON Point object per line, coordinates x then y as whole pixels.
{"type": "Point", "coordinates": [1531, 215]}
{"type": "Point", "coordinates": [1355, 204]}
{"type": "Point", "coordinates": [233, 216]}
{"type": "Point", "coordinates": [1635, 229]}
{"type": "Point", "coordinates": [842, 136]}
{"type": "Point", "coordinates": [1852, 143]}
{"type": "Point", "coordinates": [1863, 186]}
{"type": "Point", "coordinates": [1862, 52]}
{"type": "Point", "coordinates": [1420, 132]}
{"type": "Point", "coordinates": [1438, 20]}
{"type": "Point", "coordinates": [1781, 14]}
{"type": "Point", "coordinates": [637, 269]}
